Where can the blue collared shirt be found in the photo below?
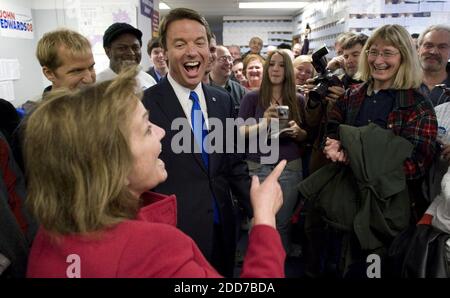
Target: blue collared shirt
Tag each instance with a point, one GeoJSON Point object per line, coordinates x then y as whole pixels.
{"type": "Point", "coordinates": [376, 108]}
{"type": "Point", "coordinates": [437, 95]}
{"type": "Point", "coordinates": [158, 75]}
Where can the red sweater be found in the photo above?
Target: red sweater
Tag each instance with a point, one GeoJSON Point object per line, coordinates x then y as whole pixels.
{"type": "Point", "coordinates": [149, 246]}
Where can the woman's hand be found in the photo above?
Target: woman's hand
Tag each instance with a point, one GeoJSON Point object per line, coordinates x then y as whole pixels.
{"type": "Point", "coordinates": [271, 112]}
{"type": "Point", "coordinates": [297, 133]}
{"type": "Point", "coordinates": [334, 151]}
{"type": "Point", "coordinates": [267, 198]}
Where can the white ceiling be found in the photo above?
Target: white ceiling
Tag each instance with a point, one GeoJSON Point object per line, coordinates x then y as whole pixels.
{"type": "Point", "coordinates": [215, 10]}
{"type": "Point", "coordinates": [212, 9]}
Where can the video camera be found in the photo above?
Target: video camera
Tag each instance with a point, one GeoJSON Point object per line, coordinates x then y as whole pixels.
{"type": "Point", "coordinates": [324, 79]}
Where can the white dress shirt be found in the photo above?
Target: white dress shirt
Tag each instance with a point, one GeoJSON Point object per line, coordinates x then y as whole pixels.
{"type": "Point", "coordinates": [183, 93]}
{"type": "Point", "coordinates": [144, 79]}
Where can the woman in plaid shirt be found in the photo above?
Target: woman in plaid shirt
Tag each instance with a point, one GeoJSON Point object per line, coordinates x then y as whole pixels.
{"type": "Point", "coordinates": [389, 98]}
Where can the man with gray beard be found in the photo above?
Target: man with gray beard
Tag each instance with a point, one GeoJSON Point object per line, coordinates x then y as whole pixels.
{"type": "Point", "coordinates": [434, 53]}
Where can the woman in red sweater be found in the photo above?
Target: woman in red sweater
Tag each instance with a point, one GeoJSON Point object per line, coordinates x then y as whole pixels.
{"type": "Point", "coordinates": [91, 157]}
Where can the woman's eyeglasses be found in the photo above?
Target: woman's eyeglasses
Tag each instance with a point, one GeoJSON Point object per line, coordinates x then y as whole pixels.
{"type": "Point", "coordinates": [384, 54]}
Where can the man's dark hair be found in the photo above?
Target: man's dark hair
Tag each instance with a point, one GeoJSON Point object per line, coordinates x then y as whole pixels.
{"type": "Point", "coordinates": [181, 14]}
{"type": "Point", "coordinates": [415, 35]}
{"type": "Point", "coordinates": [352, 41]}
{"type": "Point", "coordinates": [284, 46]}
{"type": "Point", "coordinates": [153, 43]}
{"type": "Point", "coordinates": [237, 60]}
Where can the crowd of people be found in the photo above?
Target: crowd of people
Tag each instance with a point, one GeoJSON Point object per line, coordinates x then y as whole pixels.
{"type": "Point", "coordinates": [92, 172]}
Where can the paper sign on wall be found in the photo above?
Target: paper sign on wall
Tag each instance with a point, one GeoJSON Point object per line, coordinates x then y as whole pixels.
{"type": "Point", "coordinates": [9, 69]}
{"type": "Point", "coordinates": [16, 21]}
{"type": "Point", "coordinates": [96, 16]}
{"type": "Point", "coordinates": [7, 90]}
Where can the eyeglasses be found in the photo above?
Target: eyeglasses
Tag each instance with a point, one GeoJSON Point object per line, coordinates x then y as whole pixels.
{"type": "Point", "coordinates": [224, 59]}
{"type": "Point", "coordinates": [384, 54]}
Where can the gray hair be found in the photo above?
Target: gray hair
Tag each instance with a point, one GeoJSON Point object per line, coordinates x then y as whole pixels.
{"type": "Point", "coordinates": [440, 27]}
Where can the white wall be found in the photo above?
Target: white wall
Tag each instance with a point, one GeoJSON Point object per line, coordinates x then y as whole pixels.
{"type": "Point", "coordinates": [145, 25]}
{"type": "Point", "coordinates": [49, 15]}
{"type": "Point", "coordinates": [328, 18]}
{"type": "Point", "coordinates": [239, 30]}
{"type": "Point", "coordinates": [47, 19]}
{"type": "Point", "coordinates": [28, 87]}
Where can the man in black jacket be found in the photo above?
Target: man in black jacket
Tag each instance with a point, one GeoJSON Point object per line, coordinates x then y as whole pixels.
{"type": "Point", "coordinates": [156, 52]}
{"type": "Point", "coordinates": [201, 180]}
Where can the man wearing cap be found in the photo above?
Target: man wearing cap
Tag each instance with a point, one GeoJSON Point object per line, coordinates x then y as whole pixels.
{"type": "Point", "coordinates": [122, 43]}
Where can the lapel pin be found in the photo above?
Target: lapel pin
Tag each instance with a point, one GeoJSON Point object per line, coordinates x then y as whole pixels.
{"type": "Point", "coordinates": [213, 99]}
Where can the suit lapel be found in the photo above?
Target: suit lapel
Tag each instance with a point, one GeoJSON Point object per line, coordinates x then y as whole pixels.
{"type": "Point", "coordinates": [214, 111]}
{"type": "Point", "coordinates": [211, 103]}
{"type": "Point", "coordinates": [168, 101]}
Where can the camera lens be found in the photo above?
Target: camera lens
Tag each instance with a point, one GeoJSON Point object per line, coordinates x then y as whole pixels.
{"type": "Point", "coordinates": [319, 92]}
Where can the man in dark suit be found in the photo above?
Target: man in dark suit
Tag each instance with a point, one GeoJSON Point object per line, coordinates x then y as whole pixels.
{"type": "Point", "coordinates": [156, 53]}
{"type": "Point", "coordinates": [202, 182]}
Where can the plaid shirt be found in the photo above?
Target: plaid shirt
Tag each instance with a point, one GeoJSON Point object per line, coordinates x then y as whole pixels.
{"type": "Point", "coordinates": [412, 118]}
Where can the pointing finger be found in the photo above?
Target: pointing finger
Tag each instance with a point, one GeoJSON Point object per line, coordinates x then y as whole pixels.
{"type": "Point", "coordinates": [278, 170]}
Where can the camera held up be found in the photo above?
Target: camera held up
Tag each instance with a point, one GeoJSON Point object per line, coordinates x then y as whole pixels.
{"type": "Point", "coordinates": [324, 79]}
{"type": "Point", "coordinates": [283, 116]}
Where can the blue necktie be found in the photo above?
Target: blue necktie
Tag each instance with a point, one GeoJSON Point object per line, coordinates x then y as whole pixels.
{"type": "Point", "coordinates": [198, 126]}
{"type": "Point", "coordinates": [200, 132]}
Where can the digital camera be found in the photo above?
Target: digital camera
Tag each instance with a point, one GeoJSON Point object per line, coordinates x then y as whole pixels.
{"type": "Point", "coordinates": [324, 79]}
{"type": "Point", "coordinates": [283, 116]}
{"type": "Point", "coordinates": [283, 112]}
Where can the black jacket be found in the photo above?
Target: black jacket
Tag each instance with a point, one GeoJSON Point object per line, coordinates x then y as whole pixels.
{"type": "Point", "coordinates": [420, 252]}
{"type": "Point", "coordinates": [151, 71]}
{"type": "Point", "coordinates": [367, 200]}
{"type": "Point", "coordinates": [17, 227]}
{"type": "Point", "coordinates": [193, 184]}
{"type": "Point", "coordinates": [369, 197]}
{"type": "Point", "coordinates": [236, 91]}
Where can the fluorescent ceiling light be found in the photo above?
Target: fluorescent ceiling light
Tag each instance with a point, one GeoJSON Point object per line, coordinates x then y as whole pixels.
{"type": "Point", "coordinates": [163, 5]}
{"type": "Point", "coordinates": [272, 5]}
